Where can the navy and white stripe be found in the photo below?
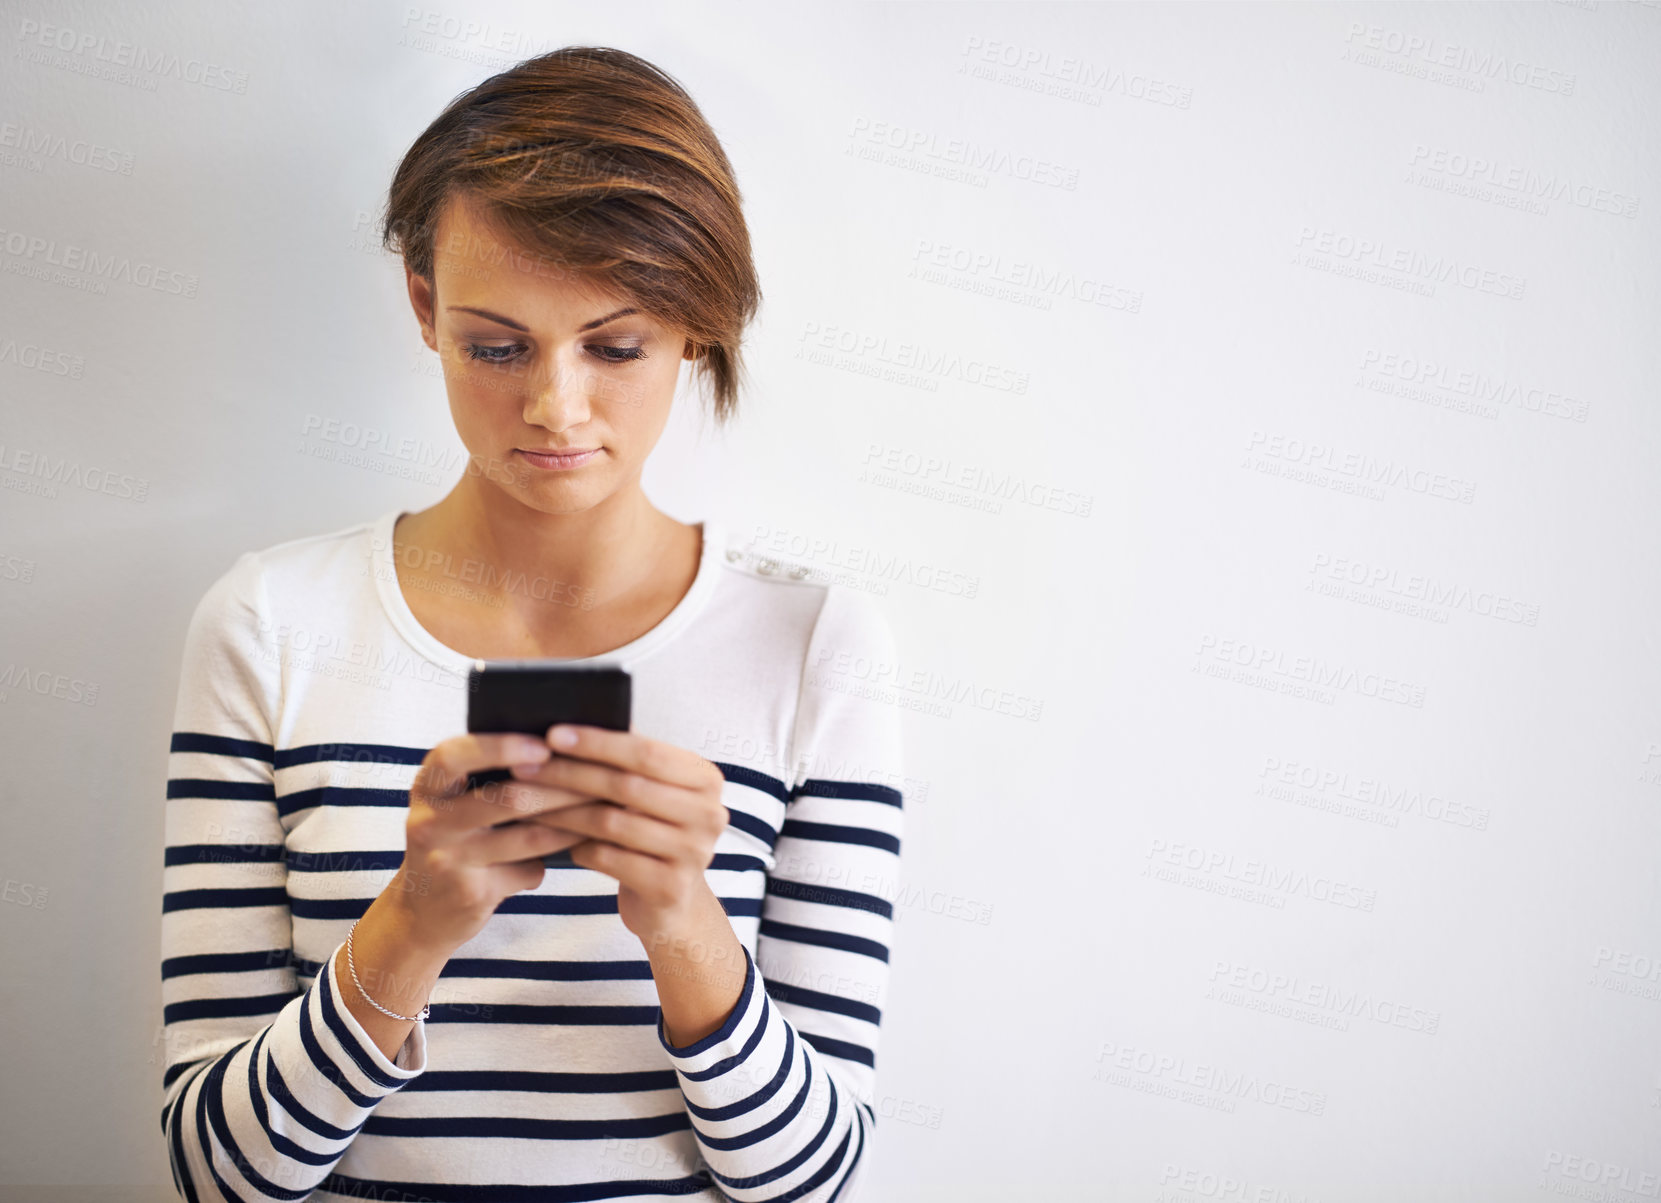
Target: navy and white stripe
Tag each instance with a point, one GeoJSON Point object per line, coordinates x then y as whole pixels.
{"type": "Point", "coordinates": [543, 1072]}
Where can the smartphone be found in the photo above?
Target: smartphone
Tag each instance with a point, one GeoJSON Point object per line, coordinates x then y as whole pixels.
{"type": "Point", "coordinates": [530, 696]}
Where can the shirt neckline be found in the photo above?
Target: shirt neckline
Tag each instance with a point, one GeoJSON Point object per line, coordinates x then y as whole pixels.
{"type": "Point", "coordinates": [397, 609]}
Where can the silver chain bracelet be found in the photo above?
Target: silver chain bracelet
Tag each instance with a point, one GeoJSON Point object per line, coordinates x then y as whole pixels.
{"type": "Point", "coordinates": [425, 1011]}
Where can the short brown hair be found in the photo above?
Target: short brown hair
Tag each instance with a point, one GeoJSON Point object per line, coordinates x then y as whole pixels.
{"type": "Point", "coordinates": [599, 164]}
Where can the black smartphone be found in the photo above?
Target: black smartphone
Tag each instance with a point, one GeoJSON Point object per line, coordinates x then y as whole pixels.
{"type": "Point", "coordinates": [530, 696]}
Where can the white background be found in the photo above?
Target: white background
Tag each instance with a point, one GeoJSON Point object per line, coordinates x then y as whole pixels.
{"type": "Point", "coordinates": [1284, 827]}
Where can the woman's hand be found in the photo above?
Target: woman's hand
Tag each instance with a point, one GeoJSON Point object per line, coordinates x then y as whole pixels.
{"type": "Point", "coordinates": [463, 850]}
{"type": "Point", "coordinates": [653, 822]}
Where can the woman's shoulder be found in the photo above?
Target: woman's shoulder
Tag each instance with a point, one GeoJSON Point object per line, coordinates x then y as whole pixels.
{"type": "Point", "coordinates": [294, 568]}
{"type": "Point", "coordinates": [830, 603]}
{"type": "Point", "coordinates": [302, 552]}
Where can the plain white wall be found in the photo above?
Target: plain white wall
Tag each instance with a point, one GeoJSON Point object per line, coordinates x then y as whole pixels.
{"type": "Point", "coordinates": [1247, 415]}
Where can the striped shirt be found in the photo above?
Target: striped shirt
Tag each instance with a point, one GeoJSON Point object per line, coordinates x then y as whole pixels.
{"type": "Point", "coordinates": [308, 697]}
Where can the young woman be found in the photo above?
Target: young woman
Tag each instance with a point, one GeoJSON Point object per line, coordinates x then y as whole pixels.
{"type": "Point", "coordinates": [372, 986]}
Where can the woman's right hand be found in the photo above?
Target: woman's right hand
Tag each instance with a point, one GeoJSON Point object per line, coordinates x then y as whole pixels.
{"type": "Point", "coordinates": [459, 864]}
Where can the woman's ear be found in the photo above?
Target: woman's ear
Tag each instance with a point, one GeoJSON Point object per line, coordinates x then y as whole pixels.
{"type": "Point", "coordinates": [421, 300]}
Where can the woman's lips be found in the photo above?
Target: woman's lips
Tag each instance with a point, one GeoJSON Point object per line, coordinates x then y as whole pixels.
{"type": "Point", "coordinates": [556, 462]}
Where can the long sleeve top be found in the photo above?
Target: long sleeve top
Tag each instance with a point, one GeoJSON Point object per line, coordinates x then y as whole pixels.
{"type": "Point", "coordinates": [309, 696]}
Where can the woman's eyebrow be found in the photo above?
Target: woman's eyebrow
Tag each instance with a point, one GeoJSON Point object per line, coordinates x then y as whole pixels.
{"type": "Point", "coordinates": [600, 321]}
{"type": "Point", "coordinates": [507, 321]}
{"type": "Point", "coordinates": [495, 317]}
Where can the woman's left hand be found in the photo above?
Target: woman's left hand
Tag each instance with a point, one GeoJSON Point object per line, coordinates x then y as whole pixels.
{"type": "Point", "coordinates": [653, 826]}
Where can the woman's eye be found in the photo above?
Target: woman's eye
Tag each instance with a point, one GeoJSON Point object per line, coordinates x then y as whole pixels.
{"type": "Point", "coordinates": [619, 354]}
{"type": "Point", "coordinates": [492, 354]}
{"type": "Point", "coordinates": [505, 354]}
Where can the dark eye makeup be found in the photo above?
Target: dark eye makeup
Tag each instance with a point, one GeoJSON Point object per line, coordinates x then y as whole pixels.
{"type": "Point", "coordinates": [508, 354]}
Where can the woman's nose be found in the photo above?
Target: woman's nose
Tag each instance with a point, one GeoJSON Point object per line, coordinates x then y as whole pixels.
{"type": "Point", "coordinates": [560, 396]}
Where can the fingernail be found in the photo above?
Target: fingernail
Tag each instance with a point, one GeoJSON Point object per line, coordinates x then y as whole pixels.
{"type": "Point", "coordinates": [562, 737]}
{"type": "Point", "coordinates": [530, 751]}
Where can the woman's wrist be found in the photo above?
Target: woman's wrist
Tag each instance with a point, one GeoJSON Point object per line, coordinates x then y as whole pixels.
{"type": "Point", "coordinates": [396, 918]}
{"type": "Point", "coordinates": [392, 970]}
{"type": "Point", "coordinates": [699, 967]}
{"type": "Point", "coordinates": [352, 968]}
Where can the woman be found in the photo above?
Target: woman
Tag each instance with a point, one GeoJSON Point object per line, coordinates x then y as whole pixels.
{"type": "Point", "coordinates": [373, 988]}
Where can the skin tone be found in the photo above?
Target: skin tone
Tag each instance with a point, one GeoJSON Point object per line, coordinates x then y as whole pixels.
{"type": "Point", "coordinates": [534, 359]}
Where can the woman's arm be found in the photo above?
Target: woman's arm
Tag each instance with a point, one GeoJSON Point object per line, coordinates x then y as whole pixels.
{"type": "Point", "coordinates": [264, 1085]}
{"type": "Point", "coordinates": [776, 1064]}
{"type": "Point", "coordinates": [394, 970]}
{"type": "Point", "coordinates": [781, 1093]}
{"type": "Point", "coordinates": [698, 970]}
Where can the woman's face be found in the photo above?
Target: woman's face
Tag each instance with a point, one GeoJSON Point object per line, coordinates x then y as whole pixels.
{"type": "Point", "coordinates": [536, 360]}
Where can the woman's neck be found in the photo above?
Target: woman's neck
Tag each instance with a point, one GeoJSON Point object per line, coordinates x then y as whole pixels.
{"type": "Point", "coordinates": [488, 571]}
